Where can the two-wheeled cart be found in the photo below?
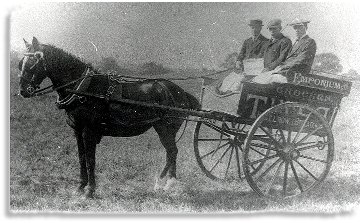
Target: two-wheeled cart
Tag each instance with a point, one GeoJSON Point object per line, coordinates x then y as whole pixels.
{"type": "Point", "coordinates": [276, 136]}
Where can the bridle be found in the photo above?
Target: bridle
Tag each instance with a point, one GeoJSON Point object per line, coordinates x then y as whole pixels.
{"type": "Point", "coordinates": [31, 89]}
{"type": "Point", "coordinates": [39, 57]}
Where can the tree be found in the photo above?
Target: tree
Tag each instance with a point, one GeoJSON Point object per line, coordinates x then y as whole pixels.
{"type": "Point", "coordinates": [352, 75]}
{"type": "Point", "coordinates": [110, 64]}
{"type": "Point", "coordinates": [152, 68]}
{"type": "Point", "coordinates": [327, 62]}
{"type": "Point", "coordinates": [230, 61]}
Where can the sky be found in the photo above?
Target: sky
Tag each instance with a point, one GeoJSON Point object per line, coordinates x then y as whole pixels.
{"type": "Point", "coordinates": [179, 34]}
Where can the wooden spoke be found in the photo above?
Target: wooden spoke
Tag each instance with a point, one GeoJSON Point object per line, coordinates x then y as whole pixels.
{"type": "Point", "coordinates": [285, 181]}
{"type": "Point", "coordinates": [271, 137]}
{"type": "Point", "coordinates": [238, 163]}
{"type": "Point", "coordinates": [289, 135]}
{"type": "Point", "coordinates": [268, 169]}
{"type": "Point", "coordinates": [257, 151]}
{"type": "Point", "coordinates": [214, 151]}
{"type": "Point", "coordinates": [283, 137]}
{"type": "Point", "coordinates": [302, 128]}
{"type": "Point", "coordinates": [274, 178]}
{"type": "Point", "coordinates": [222, 156]}
{"type": "Point", "coordinates": [308, 135]}
{"type": "Point", "coordinates": [296, 177]}
{"type": "Point", "coordinates": [306, 170]}
{"type": "Point", "coordinates": [228, 166]}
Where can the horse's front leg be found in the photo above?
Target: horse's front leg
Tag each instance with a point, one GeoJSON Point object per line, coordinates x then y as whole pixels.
{"type": "Point", "coordinates": [82, 162]}
{"type": "Point", "coordinates": [90, 140]}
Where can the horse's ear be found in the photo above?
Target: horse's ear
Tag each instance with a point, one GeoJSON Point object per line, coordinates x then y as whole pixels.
{"type": "Point", "coordinates": [27, 45]}
{"type": "Point", "coordinates": [35, 44]}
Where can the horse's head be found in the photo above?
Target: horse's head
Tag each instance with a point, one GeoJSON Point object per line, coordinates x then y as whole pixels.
{"type": "Point", "coordinates": [32, 67]}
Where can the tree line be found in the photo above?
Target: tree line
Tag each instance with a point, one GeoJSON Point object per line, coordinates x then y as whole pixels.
{"type": "Point", "coordinates": [323, 63]}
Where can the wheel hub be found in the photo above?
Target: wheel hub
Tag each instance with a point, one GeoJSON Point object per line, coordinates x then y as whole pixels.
{"type": "Point", "coordinates": [290, 153]}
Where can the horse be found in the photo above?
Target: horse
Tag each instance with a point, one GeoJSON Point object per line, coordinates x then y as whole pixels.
{"type": "Point", "coordinates": [91, 118]}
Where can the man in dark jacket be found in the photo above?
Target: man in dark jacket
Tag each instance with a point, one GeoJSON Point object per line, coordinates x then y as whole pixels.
{"type": "Point", "coordinates": [278, 46]}
{"type": "Point", "coordinates": [254, 46]}
{"type": "Point", "coordinates": [301, 56]}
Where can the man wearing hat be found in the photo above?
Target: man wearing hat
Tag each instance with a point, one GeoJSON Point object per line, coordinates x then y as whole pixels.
{"type": "Point", "coordinates": [301, 56]}
{"type": "Point", "coordinates": [278, 46]}
{"type": "Point", "coordinates": [254, 46]}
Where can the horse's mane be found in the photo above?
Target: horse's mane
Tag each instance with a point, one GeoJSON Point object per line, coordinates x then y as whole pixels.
{"type": "Point", "coordinates": [67, 61]}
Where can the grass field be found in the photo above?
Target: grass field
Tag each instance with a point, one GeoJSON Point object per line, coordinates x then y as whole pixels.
{"type": "Point", "coordinates": [44, 168]}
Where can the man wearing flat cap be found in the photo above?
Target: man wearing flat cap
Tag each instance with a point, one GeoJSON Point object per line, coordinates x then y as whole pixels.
{"type": "Point", "coordinates": [254, 46]}
{"type": "Point", "coordinates": [301, 56]}
{"type": "Point", "coordinates": [278, 46]}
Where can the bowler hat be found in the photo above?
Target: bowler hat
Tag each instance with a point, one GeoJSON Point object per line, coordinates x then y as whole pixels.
{"type": "Point", "coordinates": [299, 22]}
{"type": "Point", "coordinates": [256, 22]}
{"type": "Point", "coordinates": [275, 23]}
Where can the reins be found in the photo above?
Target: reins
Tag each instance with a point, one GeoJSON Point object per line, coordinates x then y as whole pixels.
{"type": "Point", "coordinates": [40, 91]}
{"type": "Point", "coordinates": [179, 79]}
{"type": "Point", "coordinates": [43, 91]}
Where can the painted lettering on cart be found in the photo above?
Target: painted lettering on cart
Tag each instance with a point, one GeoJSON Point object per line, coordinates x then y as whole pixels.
{"type": "Point", "coordinates": [289, 92]}
{"type": "Point", "coordinates": [261, 103]}
{"type": "Point", "coordinates": [317, 81]}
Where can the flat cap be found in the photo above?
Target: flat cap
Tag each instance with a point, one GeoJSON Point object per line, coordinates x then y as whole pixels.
{"type": "Point", "coordinates": [299, 22]}
{"type": "Point", "coordinates": [275, 23]}
{"type": "Point", "coordinates": [256, 22]}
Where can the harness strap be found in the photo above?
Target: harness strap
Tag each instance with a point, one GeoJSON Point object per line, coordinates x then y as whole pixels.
{"type": "Point", "coordinates": [72, 97]}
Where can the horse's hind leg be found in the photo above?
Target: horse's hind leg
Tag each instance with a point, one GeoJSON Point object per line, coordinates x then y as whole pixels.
{"type": "Point", "coordinates": [82, 162]}
{"type": "Point", "coordinates": [167, 134]}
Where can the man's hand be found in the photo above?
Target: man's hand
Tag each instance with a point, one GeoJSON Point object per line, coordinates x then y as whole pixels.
{"type": "Point", "coordinates": [277, 69]}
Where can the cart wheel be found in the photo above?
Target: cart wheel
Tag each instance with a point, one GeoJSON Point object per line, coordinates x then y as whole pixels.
{"type": "Point", "coordinates": [298, 143]}
{"type": "Point", "coordinates": [218, 149]}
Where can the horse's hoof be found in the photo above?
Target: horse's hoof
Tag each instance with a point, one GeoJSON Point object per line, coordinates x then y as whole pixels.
{"type": "Point", "coordinates": [158, 184]}
{"type": "Point", "coordinates": [80, 190]}
{"type": "Point", "coordinates": [170, 184]}
{"type": "Point", "coordinates": [90, 194]}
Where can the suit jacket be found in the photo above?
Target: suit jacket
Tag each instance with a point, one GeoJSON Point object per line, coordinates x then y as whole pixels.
{"type": "Point", "coordinates": [276, 52]}
{"type": "Point", "coordinates": [253, 49]}
{"type": "Point", "coordinates": [301, 56]}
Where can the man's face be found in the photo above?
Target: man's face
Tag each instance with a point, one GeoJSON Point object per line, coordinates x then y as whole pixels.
{"type": "Point", "coordinates": [255, 30]}
{"type": "Point", "coordinates": [274, 31]}
{"type": "Point", "coordinates": [300, 30]}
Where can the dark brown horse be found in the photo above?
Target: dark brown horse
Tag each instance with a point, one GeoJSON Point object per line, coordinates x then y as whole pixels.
{"type": "Point", "coordinates": [94, 117]}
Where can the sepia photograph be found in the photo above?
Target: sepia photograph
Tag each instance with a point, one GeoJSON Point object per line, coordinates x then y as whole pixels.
{"type": "Point", "coordinates": [184, 108]}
